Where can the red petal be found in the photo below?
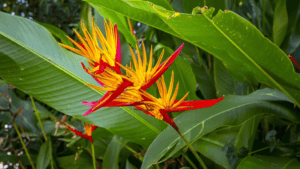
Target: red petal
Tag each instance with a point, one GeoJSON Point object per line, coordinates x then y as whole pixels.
{"type": "Point", "coordinates": [162, 71]}
{"type": "Point", "coordinates": [85, 69]}
{"type": "Point", "coordinates": [107, 94]}
{"type": "Point", "coordinates": [107, 98]}
{"type": "Point", "coordinates": [118, 53]}
{"type": "Point", "coordinates": [292, 58]}
{"type": "Point", "coordinates": [196, 104]}
{"type": "Point", "coordinates": [168, 120]}
{"type": "Point", "coordinates": [94, 127]}
{"type": "Point", "coordinates": [78, 133]}
{"type": "Point", "coordinates": [111, 104]}
{"type": "Point", "coordinates": [81, 45]}
{"type": "Point", "coordinates": [116, 93]}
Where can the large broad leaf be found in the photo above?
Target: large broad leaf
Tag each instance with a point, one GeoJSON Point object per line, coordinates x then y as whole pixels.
{"type": "Point", "coordinates": [233, 110]}
{"type": "Point", "coordinates": [244, 50]}
{"type": "Point", "coordinates": [31, 60]}
{"type": "Point", "coordinates": [263, 162]}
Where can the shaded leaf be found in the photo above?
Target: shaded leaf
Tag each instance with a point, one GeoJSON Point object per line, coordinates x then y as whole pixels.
{"type": "Point", "coordinates": [111, 157]}
{"type": "Point", "coordinates": [44, 156]}
{"type": "Point", "coordinates": [280, 23]}
{"type": "Point", "coordinates": [262, 162]}
{"type": "Point", "coordinates": [247, 133]}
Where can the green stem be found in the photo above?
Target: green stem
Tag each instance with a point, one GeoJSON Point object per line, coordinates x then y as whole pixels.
{"type": "Point", "coordinates": [189, 160]}
{"type": "Point", "coordinates": [258, 150]}
{"type": "Point", "coordinates": [38, 117]}
{"type": "Point", "coordinates": [157, 166]}
{"type": "Point", "coordinates": [192, 149]}
{"type": "Point", "coordinates": [132, 150]}
{"type": "Point", "coordinates": [23, 144]}
{"type": "Point", "coordinates": [94, 158]}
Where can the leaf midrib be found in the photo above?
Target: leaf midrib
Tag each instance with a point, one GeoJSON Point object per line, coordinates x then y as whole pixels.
{"type": "Point", "coordinates": [78, 79]}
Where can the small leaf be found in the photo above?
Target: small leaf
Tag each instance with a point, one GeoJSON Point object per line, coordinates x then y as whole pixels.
{"type": "Point", "coordinates": [280, 24]}
{"type": "Point", "coordinates": [44, 156]}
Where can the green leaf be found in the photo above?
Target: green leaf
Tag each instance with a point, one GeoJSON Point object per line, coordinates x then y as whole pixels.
{"type": "Point", "coordinates": [111, 157]}
{"type": "Point", "coordinates": [68, 162]}
{"type": "Point", "coordinates": [45, 153]}
{"type": "Point", "coordinates": [121, 22]}
{"type": "Point", "coordinates": [233, 110]}
{"type": "Point", "coordinates": [262, 162]}
{"type": "Point", "coordinates": [280, 22]}
{"type": "Point", "coordinates": [247, 133]}
{"type": "Point", "coordinates": [61, 35]}
{"type": "Point", "coordinates": [225, 84]}
{"type": "Point", "coordinates": [226, 36]}
{"type": "Point", "coordinates": [34, 63]}
{"type": "Point", "coordinates": [211, 146]}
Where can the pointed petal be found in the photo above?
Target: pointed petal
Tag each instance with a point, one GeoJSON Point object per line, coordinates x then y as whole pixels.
{"type": "Point", "coordinates": [118, 53]}
{"type": "Point", "coordinates": [190, 105]}
{"type": "Point", "coordinates": [78, 133]}
{"type": "Point", "coordinates": [116, 93]}
{"type": "Point", "coordinates": [161, 70]}
{"type": "Point", "coordinates": [109, 97]}
{"type": "Point", "coordinates": [88, 103]}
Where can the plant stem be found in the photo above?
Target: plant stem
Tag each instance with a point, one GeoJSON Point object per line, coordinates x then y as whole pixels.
{"type": "Point", "coordinates": [23, 144]}
{"type": "Point", "coordinates": [189, 160]}
{"type": "Point", "coordinates": [259, 150]}
{"type": "Point", "coordinates": [38, 117]}
{"type": "Point", "coordinates": [192, 149]}
{"type": "Point", "coordinates": [94, 158]}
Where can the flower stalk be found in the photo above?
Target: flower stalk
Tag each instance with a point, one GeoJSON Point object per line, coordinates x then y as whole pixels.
{"type": "Point", "coordinates": [38, 117]}
{"type": "Point", "coordinates": [94, 157]}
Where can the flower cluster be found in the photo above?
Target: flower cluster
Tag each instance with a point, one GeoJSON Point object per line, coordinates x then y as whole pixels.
{"type": "Point", "coordinates": [129, 89]}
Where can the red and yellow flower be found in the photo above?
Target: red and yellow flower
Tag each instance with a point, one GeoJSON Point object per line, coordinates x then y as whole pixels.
{"type": "Point", "coordinates": [130, 89]}
{"type": "Point", "coordinates": [159, 108]}
{"type": "Point", "coordinates": [89, 128]}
